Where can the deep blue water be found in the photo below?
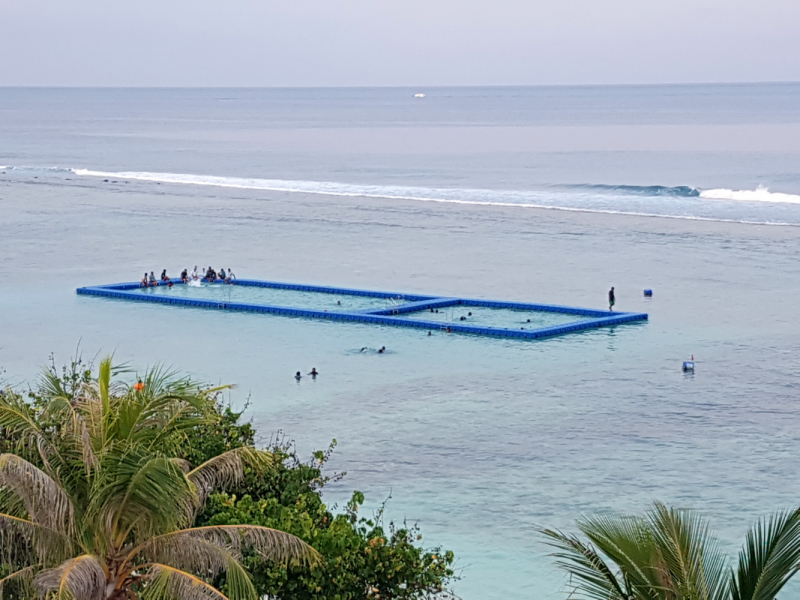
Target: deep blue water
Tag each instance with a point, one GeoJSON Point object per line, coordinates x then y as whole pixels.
{"type": "Point", "coordinates": [674, 188]}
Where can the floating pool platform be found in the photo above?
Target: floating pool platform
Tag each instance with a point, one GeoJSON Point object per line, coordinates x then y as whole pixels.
{"type": "Point", "coordinates": [399, 314]}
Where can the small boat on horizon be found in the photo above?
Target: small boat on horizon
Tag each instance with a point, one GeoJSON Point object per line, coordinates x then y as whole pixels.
{"type": "Point", "coordinates": [420, 95]}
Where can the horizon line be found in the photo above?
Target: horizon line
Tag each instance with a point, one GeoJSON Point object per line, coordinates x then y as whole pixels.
{"type": "Point", "coordinates": [404, 86]}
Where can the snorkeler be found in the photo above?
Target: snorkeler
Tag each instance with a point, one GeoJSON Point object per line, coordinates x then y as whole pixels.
{"type": "Point", "coordinates": [152, 280]}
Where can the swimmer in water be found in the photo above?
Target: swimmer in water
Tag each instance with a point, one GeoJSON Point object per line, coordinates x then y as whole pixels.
{"type": "Point", "coordinates": [314, 372]}
{"type": "Point", "coordinates": [430, 333]}
{"type": "Point", "coordinates": [382, 350]}
{"type": "Point", "coordinates": [469, 314]}
{"type": "Point", "coordinates": [364, 348]}
{"type": "Point", "coordinates": [298, 376]}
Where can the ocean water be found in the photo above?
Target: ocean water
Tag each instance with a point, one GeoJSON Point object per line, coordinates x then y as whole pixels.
{"type": "Point", "coordinates": [534, 194]}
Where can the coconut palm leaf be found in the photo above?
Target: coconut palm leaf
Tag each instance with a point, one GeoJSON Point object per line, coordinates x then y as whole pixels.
{"type": "Point", "coordinates": [80, 578]}
{"type": "Point", "coordinates": [168, 583]}
{"type": "Point", "coordinates": [596, 580]}
{"type": "Point", "coordinates": [227, 469]}
{"type": "Point", "coordinates": [629, 543]}
{"type": "Point", "coordinates": [29, 490]}
{"type": "Point", "coordinates": [696, 565]}
{"type": "Point", "coordinates": [271, 544]}
{"type": "Point", "coordinates": [769, 558]}
{"type": "Point", "coordinates": [25, 541]}
{"type": "Point", "coordinates": [22, 578]}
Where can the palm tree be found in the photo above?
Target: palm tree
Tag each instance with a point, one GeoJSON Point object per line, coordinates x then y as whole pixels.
{"type": "Point", "coordinates": [94, 505]}
{"type": "Point", "coordinates": [669, 554]}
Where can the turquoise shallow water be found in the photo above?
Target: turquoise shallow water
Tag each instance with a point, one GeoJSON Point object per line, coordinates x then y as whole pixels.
{"type": "Point", "coordinates": [480, 440]}
{"type": "Point", "coordinates": [493, 317]}
{"type": "Point", "coordinates": [273, 296]}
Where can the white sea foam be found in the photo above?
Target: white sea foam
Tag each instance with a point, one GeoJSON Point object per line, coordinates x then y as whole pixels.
{"type": "Point", "coordinates": [472, 197]}
{"type": "Point", "coordinates": [760, 194]}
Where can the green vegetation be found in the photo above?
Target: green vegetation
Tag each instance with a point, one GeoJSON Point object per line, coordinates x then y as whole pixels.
{"type": "Point", "coordinates": [95, 503]}
{"type": "Point", "coordinates": [669, 554]}
{"type": "Point", "coordinates": [155, 490]}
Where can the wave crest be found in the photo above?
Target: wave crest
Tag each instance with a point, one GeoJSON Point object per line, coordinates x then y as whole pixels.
{"type": "Point", "coordinates": [760, 194]}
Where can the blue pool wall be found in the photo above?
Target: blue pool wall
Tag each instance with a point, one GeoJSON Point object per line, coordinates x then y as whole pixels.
{"type": "Point", "coordinates": [383, 316]}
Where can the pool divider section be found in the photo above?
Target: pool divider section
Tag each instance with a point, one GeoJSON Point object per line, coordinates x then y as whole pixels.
{"type": "Point", "coordinates": [412, 303]}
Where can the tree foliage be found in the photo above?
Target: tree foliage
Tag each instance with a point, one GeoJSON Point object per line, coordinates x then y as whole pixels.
{"type": "Point", "coordinates": [362, 557]}
{"type": "Point", "coordinates": [96, 503]}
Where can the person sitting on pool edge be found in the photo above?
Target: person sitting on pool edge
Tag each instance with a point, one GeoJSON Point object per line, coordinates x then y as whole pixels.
{"type": "Point", "coordinates": [222, 274]}
{"type": "Point", "coordinates": [231, 276]}
{"type": "Point", "coordinates": [152, 280]}
{"type": "Point", "coordinates": [185, 276]}
{"type": "Point", "coordinates": [144, 280]}
{"type": "Point", "coordinates": [164, 276]}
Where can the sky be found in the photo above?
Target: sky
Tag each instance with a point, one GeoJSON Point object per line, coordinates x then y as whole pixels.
{"type": "Point", "coordinates": [266, 43]}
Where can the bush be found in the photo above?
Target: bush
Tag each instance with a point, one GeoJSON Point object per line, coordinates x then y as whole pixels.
{"type": "Point", "coordinates": [363, 557]}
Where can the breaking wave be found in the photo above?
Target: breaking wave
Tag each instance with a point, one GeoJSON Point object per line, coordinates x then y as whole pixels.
{"type": "Point", "coordinates": [760, 194]}
{"type": "Point", "coordinates": [681, 191]}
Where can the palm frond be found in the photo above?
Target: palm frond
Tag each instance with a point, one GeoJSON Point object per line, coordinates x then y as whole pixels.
{"type": "Point", "coordinates": [18, 420]}
{"type": "Point", "coordinates": [23, 578]}
{"type": "Point", "coordinates": [29, 542]}
{"type": "Point", "coordinates": [628, 542]}
{"type": "Point", "coordinates": [197, 555]}
{"type": "Point", "coordinates": [769, 558]}
{"type": "Point", "coordinates": [271, 544]}
{"type": "Point", "coordinates": [227, 469]}
{"type": "Point", "coordinates": [596, 580]}
{"type": "Point", "coordinates": [33, 490]}
{"type": "Point", "coordinates": [151, 495]}
{"type": "Point", "coordinates": [694, 560]}
{"type": "Point", "coordinates": [167, 583]}
{"type": "Point", "coordinates": [80, 578]}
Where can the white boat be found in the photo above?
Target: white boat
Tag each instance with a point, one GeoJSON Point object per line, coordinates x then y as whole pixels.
{"type": "Point", "coordinates": [419, 95]}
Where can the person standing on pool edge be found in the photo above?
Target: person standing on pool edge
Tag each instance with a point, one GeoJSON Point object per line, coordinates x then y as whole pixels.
{"type": "Point", "coordinates": [612, 299]}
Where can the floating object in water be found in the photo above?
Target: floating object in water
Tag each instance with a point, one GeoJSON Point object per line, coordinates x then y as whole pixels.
{"type": "Point", "coordinates": [688, 365]}
{"type": "Point", "coordinates": [648, 293]}
{"type": "Point", "coordinates": [419, 95]}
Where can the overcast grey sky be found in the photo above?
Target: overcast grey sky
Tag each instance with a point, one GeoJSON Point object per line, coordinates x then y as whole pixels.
{"type": "Point", "coordinates": [400, 42]}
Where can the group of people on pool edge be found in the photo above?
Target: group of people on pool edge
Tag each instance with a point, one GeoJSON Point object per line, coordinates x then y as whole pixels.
{"type": "Point", "coordinates": [210, 275]}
